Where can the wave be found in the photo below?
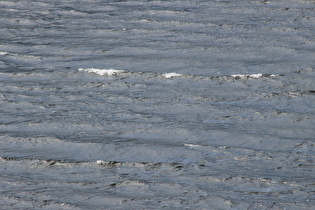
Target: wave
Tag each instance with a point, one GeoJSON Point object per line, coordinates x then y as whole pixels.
{"type": "Point", "coordinates": [3, 53]}
{"type": "Point", "coordinates": [102, 72]}
{"type": "Point", "coordinates": [255, 76]}
{"type": "Point", "coordinates": [170, 75]}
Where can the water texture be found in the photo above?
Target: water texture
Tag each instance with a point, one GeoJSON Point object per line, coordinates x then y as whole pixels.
{"type": "Point", "coordinates": [157, 104]}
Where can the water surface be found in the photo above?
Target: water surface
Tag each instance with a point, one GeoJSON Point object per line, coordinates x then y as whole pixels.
{"type": "Point", "coordinates": [157, 104]}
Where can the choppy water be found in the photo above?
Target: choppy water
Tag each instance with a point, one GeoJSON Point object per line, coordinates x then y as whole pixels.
{"type": "Point", "coordinates": [214, 107]}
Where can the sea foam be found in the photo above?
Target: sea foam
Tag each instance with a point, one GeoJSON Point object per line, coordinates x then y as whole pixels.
{"type": "Point", "coordinates": [3, 53]}
{"type": "Point", "coordinates": [255, 76]}
{"type": "Point", "coordinates": [102, 72]}
{"type": "Point", "coordinates": [171, 75]}
{"type": "Point", "coordinates": [114, 72]}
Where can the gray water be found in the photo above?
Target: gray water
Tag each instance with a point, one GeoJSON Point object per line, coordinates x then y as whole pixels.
{"type": "Point", "coordinates": [214, 107]}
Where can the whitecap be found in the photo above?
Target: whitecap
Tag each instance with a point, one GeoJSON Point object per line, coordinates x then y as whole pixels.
{"type": "Point", "coordinates": [101, 162]}
{"type": "Point", "coordinates": [102, 72]}
{"type": "Point", "coordinates": [241, 76]}
{"type": "Point", "coordinates": [192, 145]}
{"type": "Point", "coordinates": [171, 75]}
{"type": "Point", "coordinates": [3, 53]}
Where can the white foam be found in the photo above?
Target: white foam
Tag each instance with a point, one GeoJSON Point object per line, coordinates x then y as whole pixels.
{"type": "Point", "coordinates": [171, 75]}
{"type": "Point", "coordinates": [3, 53]}
{"type": "Point", "coordinates": [115, 72]}
{"type": "Point", "coordinates": [100, 162]}
{"type": "Point", "coordinates": [192, 145]}
{"type": "Point", "coordinates": [255, 76]}
{"type": "Point", "coordinates": [102, 72]}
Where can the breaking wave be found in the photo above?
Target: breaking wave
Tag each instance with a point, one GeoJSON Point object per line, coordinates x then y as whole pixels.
{"type": "Point", "coordinates": [171, 75]}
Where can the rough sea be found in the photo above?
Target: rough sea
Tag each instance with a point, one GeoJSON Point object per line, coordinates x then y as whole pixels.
{"type": "Point", "coordinates": [121, 104]}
